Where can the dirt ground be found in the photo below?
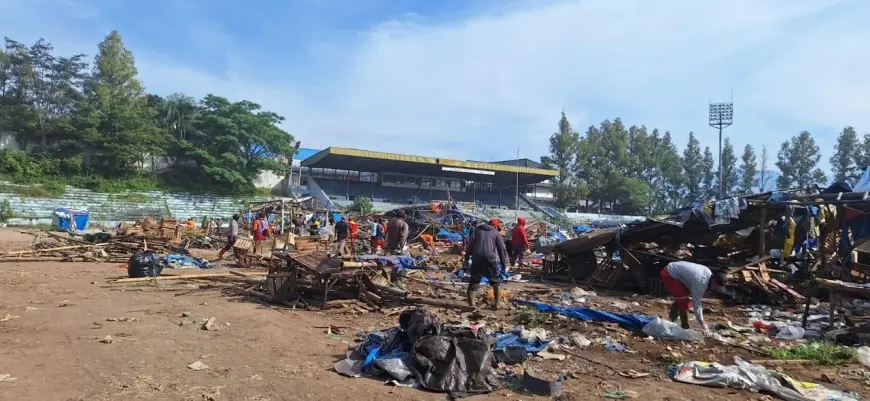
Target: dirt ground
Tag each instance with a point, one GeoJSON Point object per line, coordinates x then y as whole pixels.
{"type": "Point", "coordinates": [55, 319]}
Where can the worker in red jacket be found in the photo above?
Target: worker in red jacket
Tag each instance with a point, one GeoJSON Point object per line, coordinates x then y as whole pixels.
{"type": "Point", "coordinates": [520, 242]}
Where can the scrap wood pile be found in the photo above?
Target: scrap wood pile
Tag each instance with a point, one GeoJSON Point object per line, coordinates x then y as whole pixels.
{"type": "Point", "coordinates": [106, 247]}
{"type": "Point", "coordinates": [760, 240]}
{"type": "Point", "coordinates": [313, 280]}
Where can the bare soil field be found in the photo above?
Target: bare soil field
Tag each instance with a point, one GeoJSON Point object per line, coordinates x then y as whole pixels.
{"type": "Point", "coordinates": [65, 334]}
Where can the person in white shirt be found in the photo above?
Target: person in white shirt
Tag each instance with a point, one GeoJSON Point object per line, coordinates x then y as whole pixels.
{"type": "Point", "coordinates": [687, 282]}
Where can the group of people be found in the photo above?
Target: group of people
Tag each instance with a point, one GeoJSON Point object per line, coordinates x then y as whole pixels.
{"type": "Point", "coordinates": [260, 228]}
{"type": "Point", "coordinates": [488, 249]}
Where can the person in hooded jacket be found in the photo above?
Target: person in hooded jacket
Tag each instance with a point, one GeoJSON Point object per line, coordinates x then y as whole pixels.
{"type": "Point", "coordinates": [519, 242]}
{"type": "Point", "coordinates": [342, 233]}
{"type": "Point", "coordinates": [485, 251]}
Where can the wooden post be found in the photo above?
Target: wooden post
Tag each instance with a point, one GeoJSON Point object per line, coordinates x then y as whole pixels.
{"type": "Point", "coordinates": [762, 232]}
{"type": "Point", "coordinates": [282, 215]}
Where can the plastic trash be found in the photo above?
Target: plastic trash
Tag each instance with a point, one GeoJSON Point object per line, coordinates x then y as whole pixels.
{"type": "Point", "coordinates": [792, 333]}
{"type": "Point", "coordinates": [667, 330]}
{"type": "Point", "coordinates": [864, 356]}
{"type": "Point", "coordinates": [144, 264]}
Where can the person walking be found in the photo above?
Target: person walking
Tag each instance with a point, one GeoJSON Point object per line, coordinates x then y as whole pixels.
{"type": "Point", "coordinates": [342, 232]}
{"type": "Point", "coordinates": [232, 237]}
{"type": "Point", "coordinates": [485, 251]}
{"type": "Point", "coordinates": [519, 242]}
{"type": "Point", "coordinates": [687, 282]}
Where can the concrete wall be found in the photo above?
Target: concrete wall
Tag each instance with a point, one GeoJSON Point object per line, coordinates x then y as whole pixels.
{"type": "Point", "coordinates": [106, 210]}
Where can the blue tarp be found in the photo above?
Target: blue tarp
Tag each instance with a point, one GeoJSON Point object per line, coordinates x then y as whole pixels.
{"type": "Point", "coordinates": [504, 340]}
{"type": "Point", "coordinates": [179, 261]}
{"type": "Point", "coordinates": [404, 262]}
{"type": "Point", "coordinates": [70, 219]}
{"type": "Point", "coordinates": [628, 321]}
{"type": "Point", "coordinates": [582, 228]}
{"type": "Point", "coordinates": [449, 235]}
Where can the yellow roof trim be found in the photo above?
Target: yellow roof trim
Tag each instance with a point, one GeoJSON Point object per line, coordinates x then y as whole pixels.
{"type": "Point", "coordinates": [431, 160]}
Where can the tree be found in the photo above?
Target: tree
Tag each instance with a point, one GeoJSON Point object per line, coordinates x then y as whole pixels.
{"type": "Point", "coordinates": [564, 146]}
{"type": "Point", "coordinates": [843, 160]}
{"type": "Point", "coordinates": [362, 205]}
{"type": "Point", "coordinates": [179, 112]}
{"type": "Point", "coordinates": [693, 170]}
{"type": "Point", "coordinates": [94, 126]}
{"type": "Point", "coordinates": [119, 126]}
{"type": "Point", "coordinates": [748, 171]}
{"type": "Point", "coordinates": [730, 176]}
{"type": "Point", "coordinates": [709, 190]}
{"type": "Point", "coordinates": [233, 142]}
{"type": "Point", "coordinates": [861, 156]}
{"type": "Point", "coordinates": [797, 160]}
{"type": "Point", "coordinates": [763, 175]}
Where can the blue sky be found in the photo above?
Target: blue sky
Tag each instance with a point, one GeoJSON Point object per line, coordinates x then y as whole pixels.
{"type": "Point", "coordinates": [478, 79]}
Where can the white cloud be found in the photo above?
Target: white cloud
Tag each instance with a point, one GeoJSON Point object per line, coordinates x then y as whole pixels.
{"type": "Point", "coordinates": [485, 85]}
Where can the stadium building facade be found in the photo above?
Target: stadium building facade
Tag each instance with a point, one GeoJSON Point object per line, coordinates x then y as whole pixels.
{"type": "Point", "coordinates": [340, 175]}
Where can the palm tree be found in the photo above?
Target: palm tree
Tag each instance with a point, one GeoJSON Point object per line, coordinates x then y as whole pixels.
{"type": "Point", "coordinates": [179, 113]}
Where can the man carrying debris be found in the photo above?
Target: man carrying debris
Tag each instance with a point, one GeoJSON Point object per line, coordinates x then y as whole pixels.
{"type": "Point", "coordinates": [687, 282]}
{"type": "Point", "coordinates": [397, 237]}
{"type": "Point", "coordinates": [231, 239]}
{"type": "Point", "coordinates": [485, 250]}
{"type": "Point", "coordinates": [519, 242]}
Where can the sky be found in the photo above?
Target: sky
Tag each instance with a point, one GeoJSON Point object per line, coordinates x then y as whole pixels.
{"type": "Point", "coordinates": [485, 79]}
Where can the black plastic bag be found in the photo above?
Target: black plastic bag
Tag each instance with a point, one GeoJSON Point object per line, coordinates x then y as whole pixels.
{"type": "Point", "coordinates": [452, 360]}
{"type": "Point", "coordinates": [144, 264]}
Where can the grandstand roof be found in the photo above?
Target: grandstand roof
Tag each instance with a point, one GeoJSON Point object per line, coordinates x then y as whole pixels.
{"type": "Point", "coordinates": [382, 162]}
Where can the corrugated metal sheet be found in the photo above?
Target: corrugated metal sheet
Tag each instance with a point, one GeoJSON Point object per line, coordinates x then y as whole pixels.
{"type": "Point", "coordinates": [108, 210]}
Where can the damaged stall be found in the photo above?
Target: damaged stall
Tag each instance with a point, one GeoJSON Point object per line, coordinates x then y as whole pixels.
{"type": "Point", "coordinates": [729, 235]}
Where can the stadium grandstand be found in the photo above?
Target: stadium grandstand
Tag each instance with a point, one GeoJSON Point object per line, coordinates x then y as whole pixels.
{"type": "Point", "coordinates": [340, 175]}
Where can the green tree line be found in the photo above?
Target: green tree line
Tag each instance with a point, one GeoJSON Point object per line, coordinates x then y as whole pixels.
{"type": "Point", "coordinates": [631, 170]}
{"type": "Point", "coordinates": [94, 125]}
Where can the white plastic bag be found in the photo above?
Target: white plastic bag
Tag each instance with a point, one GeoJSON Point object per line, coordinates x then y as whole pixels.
{"type": "Point", "coordinates": [667, 330]}
{"type": "Point", "coordinates": [864, 356]}
{"type": "Point", "coordinates": [791, 332]}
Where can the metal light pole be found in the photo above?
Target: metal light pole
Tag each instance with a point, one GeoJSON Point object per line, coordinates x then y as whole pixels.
{"type": "Point", "coordinates": [721, 116]}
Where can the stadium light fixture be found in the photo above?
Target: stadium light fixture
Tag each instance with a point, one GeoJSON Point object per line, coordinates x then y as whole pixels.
{"type": "Point", "coordinates": [721, 117]}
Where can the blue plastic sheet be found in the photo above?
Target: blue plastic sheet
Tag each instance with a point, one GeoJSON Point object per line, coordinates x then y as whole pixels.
{"type": "Point", "coordinates": [179, 261]}
{"type": "Point", "coordinates": [582, 228]}
{"type": "Point", "coordinates": [628, 321]}
{"type": "Point", "coordinates": [504, 340]}
{"type": "Point", "coordinates": [449, 235]}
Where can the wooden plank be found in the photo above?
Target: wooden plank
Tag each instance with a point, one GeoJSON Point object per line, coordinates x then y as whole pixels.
{"type": "Point", "coordinates": [787, 289]}
{"type": "Point", "coordinates": [762, 269]}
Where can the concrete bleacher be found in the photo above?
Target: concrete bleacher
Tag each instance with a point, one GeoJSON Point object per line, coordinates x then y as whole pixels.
{"type": "Point", "coordinates": [339, 191]}
{"type": "Point", "coordinates": [343, 193]}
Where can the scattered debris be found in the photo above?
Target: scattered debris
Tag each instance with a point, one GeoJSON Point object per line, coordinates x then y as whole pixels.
{"type": "Point", "coordinates": [197, 366]}
{"type": "Point", "coordinates": [210, 325]}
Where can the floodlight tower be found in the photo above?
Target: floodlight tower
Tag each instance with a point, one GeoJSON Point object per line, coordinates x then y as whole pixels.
{"type": "Point", "coordinates": [721, 116]}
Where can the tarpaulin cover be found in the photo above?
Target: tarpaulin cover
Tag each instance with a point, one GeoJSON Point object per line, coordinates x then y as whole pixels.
{"type": "Point", "coordinates": [628, 321]}
{"type": "Point", "coordinates": [863, 183]}
{"type": "Point", "coordinates": [449, 235]}
{"type": "Point", "coordinates": [504, 340]}
{"type": "Point", "coordinates": [441, 357]}
{"type": "Point", "coordinates": [453, 359]}
{"type": "Point", "coordinates": [404, 262]}
{"type": "Point", "coordinates": [582, 228]}
{"type": "Point", "coordinates": [144, 264]}
{"type": "Point", "coordinates": [179, 261]}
